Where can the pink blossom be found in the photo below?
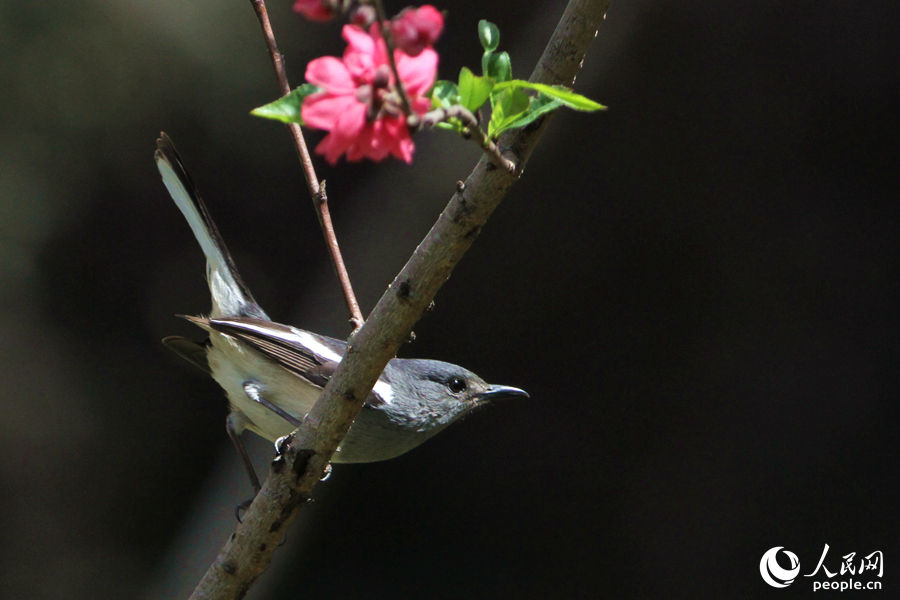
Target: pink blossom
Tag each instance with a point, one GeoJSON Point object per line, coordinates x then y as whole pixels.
{"type": "Point", "coordinates": [360, 107]}
{"type": "Point", "coordinates": [414, 29]}
{"type": "Point", "coordinates": [314, 10]}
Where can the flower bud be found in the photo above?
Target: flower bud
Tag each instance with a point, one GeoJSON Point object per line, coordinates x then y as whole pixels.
{"type": "Point", "coordinates": [314, 10]}
{"type": "Point", "coordinates": [363, 15]}
{"type": "Point", "coordinates": [415, 29]}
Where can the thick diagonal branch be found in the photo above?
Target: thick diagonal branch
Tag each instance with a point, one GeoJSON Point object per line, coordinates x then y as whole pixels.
{"type": "Point", "coordinates": [295, 473]}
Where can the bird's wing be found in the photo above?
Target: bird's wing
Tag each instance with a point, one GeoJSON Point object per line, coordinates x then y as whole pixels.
{"type": "Point", "coordinates": [191, 351]}
{"type": "Point", "coordinates": [307, 355]}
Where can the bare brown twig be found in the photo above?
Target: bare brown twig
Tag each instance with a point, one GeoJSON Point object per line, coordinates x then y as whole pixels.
{"type": "Point", "coordinates": [309, 449]}
{"type": "Point", "coordinates": [316, 190]}
{"type": "Point", "coordinates": [474, 131]}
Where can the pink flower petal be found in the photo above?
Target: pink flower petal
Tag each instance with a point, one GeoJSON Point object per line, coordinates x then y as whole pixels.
{"type": "Point", "coordinates": [417, 72]}
{"type": "Point", "coordinates": [339, 110]}
{"type": "Point", "coordinates": [361, 146]}
{"type": "Point", "coordinates": [365, 52]}
{"type": "Point", "coordinates": [347, 130]}
{"type": "Point", "coordinates": [351, 121]}
{"type": "Point", "coordinates": [321, 111]}
{"type": "Point", "coordinates": [329, 149]}
{"type": "Point", "coordinates": [357, 38]}
{"type": "Point", "coordinates": [360, 66]}
{"type": "Point", "coordinates": [406, 147]}
{"type": "Point", "coordinates": [402, 145]}
{"type": "Point", "coordinates": [330, 73]}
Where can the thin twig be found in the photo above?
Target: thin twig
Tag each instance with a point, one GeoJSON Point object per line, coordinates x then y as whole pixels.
{"type": "Point", "coordinates": [457, 111]}
{"type": "Point", "coordinates": [309, 449]}
{"type": "Point", "coordinates": [384, 27]}
{"type": "Point", "coordinates": [316, 190]}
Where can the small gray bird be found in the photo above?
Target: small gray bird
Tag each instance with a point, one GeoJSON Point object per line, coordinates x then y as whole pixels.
{"type": "Point", "coordinates": [273, 373]}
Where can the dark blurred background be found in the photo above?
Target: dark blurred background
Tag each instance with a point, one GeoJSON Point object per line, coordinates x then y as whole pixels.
{"type": "Point", "coordinates": [699, 288]}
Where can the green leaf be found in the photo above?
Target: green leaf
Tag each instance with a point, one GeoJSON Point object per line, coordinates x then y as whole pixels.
{"type": "Point", "coordinates": [540, 106]}
{"type": "Point", "coordinates": [473, 90]}
{"type": "Point", "coordinates": [287, 108]}
{"type": "Point", "coordinates": [509, 106]}
{"type": "Point", "coordinates": [444, 94]}
{"type": "Point", "coordinates": [565, 96]}
{"type": "Point", "coordinates": [497, 66]}
{"type": "Point", "coordinates": [489, 34]}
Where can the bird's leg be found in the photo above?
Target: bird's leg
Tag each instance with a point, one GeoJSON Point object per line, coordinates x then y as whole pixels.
{"type": "Point", "coordinates": [252, 389]}
{"type": "Point", "coordinates": [234, 425]}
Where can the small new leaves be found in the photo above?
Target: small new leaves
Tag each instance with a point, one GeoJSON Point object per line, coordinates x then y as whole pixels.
{"type": "Point", "coordinates": [489, 34]}
{"type": "Point", "coordinates": [564, 95]}
{"type": "Point", "coordinates": [473, 90]}
{"type": "Point", "coordinates": [287, 108]}
{"type": "Point", "coordinates": [444, 94]}
{"type": "Point", "coordinates": [511, 106]}
{"type": "Point", "coordinates": [538, 107]}
{"type": "Point", "coordinates": [498, 66]}
{"type": "Point", "coordinates": [550, 97]}
{"type": "Point", "coordinates": [471, 93]}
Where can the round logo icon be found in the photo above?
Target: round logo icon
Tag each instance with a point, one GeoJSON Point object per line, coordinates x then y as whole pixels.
{"type": "Point", "coordinates": [772, 572]}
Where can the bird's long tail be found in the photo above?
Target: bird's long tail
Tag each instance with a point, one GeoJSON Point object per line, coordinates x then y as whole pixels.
{"type": "Point", "coordinates": [230, 295]}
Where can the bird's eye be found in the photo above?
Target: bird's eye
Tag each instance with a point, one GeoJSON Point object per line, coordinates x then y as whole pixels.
{"type": "Point", "coordinates": [457, 385]}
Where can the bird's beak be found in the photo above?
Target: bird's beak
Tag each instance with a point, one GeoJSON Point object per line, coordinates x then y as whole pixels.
{"type": "Point", "coordinates": [501, 392]}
